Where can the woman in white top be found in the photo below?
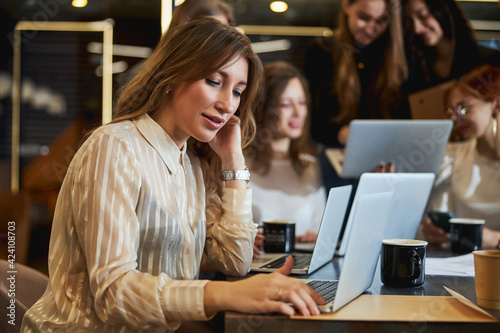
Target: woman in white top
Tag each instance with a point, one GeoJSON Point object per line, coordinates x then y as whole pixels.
{"type": "Point", "coordinates": [468, 183]}
{"type": "Point", "coordinates": [286, 179]}
{"type": "Point", "coordinates": [143, 200]}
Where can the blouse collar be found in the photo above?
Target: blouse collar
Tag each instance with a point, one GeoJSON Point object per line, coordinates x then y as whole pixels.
{"type": "Point", "coordinates": [161, 142]}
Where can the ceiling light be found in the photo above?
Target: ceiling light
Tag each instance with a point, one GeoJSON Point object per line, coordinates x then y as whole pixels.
{"type": "Point", "coordinates": [278, 6]}
{"type": "Point", "coordinates": [79, 3]}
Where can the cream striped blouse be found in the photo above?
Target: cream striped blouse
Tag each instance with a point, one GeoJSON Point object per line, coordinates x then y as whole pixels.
{"type": "Point", "coordinates": [132, 220]}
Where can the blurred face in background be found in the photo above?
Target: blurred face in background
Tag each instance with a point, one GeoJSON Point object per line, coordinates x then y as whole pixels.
{"type": "Point", "coordinates": [471, 115]}
{"type": "Point", "coordinates": [222, 18]}
{"type": "Point", "coordinates": [367, 19]}
{"type": "Point", "coordinates": [424, 24]}
{"type": "Point", "coordinates": [292, 111]}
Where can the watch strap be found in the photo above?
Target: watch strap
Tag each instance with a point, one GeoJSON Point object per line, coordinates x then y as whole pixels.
{"type": "Point", "coordinates": [236, 175]}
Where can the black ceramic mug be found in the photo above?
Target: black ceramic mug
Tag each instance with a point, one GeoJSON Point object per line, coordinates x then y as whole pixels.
{"type": "Point", "coordinates": [466, 234]}
{"type": "Point", "coordinates": [402, 262]}
{"type": "Point", "coordinates": [279, 236]}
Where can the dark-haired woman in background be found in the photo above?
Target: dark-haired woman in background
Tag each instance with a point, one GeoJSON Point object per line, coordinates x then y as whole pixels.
{"type": "Point", "coordinates": [440, 43]}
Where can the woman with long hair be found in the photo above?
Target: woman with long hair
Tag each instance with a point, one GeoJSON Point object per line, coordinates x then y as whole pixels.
{"type": "Point", "coordinates": [440, 43]}
{"type": "Point", "coordinates": [286, 179]}
{"type": "Point", "coordinates": [147, 195]}
{"type": "Point", "coordinates": [358, 72]}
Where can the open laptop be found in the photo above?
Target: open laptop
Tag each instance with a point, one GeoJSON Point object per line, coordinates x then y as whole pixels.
{"type": "Point", "coordinates": [430, 103]}
{"type": "Point", "coordinates": [370, 216]}
{"type": "Point", "coordinates": [324, 248]}
{"type": "Point", "coordinates": [412, 145]}
{"type": "Point", "coordinates": [411, 193]}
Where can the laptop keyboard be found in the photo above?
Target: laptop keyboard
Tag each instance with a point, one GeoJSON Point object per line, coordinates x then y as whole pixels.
{"type": "Point", "coordinates": [300, 261]}
{"type": "Point", "coordinates": [325, 288]}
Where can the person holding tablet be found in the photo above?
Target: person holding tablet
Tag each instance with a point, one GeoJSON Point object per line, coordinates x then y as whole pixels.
{"type": "Point", "coordinates": [469, 178]}
{"type": "Point", "coordinates": [165, 182]}
{"type": "Point", "coordinates": [357, 73]}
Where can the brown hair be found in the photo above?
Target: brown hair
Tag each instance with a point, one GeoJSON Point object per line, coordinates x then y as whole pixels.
{"type": "Point", "coordinates": [456, 27]}
{"type": "Point", "coordinates": [277, 76]}
{"type": "Point", "coordinates": [193, 51]}
{"type": "Point", "coordinates": [392, 72]}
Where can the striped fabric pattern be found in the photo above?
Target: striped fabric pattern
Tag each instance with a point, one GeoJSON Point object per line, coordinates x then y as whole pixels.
{"type": "Point", "coordinates": [133, 218]}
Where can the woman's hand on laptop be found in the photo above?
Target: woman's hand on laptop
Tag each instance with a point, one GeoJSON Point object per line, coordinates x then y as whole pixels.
{"type": "Point", "coordinates": [264, 293]}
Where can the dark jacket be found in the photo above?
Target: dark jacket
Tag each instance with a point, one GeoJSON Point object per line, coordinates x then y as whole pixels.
{"type": "Point", "coordinates": [320, 70]}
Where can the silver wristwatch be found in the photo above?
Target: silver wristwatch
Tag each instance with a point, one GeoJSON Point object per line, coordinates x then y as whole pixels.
{"type": "Point", "coordinates": [236, 175]}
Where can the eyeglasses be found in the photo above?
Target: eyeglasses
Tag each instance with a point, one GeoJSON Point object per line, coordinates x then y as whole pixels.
{"type": "Point", "coordinates": [458, 110]}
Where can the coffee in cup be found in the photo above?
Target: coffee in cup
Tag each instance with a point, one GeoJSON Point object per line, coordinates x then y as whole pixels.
{"type": "Point", "coordinates": [487, 278]}
{"type": "Point", "coordinates": [402, 262]}
{"type": "Point", "coordinates": [279, 235]}
{"type": "Point", "coordinates": [466, 234]}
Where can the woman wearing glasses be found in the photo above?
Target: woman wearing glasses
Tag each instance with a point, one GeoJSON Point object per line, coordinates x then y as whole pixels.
{"type": "Point", "coordinates": [469, 178]}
